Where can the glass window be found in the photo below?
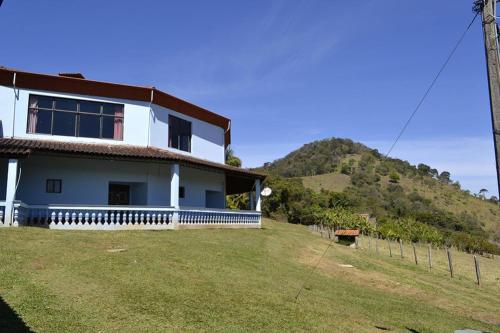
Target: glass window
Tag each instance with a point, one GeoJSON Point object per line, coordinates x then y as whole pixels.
{"type": "Point", "coordinates": [65, 104]}
{"type": "Point", "coordinates": [53, 186]}
{"type": "Point", "coordinates": [72, 117]}
{"type": "Point", "coordinates": [179, 133]}
{"type": "Point", "coordinates": [182, 192]}
{"type": "Point", "coordinates": [90, 107]}
{"type": "Point", "coordinates": [89, 126]}
{"type": "Point", "coordinates": [64, 123]}
{"type": "Point", "coordinates": [42, 102]}
{"type": "Point", "coordinates": [43, 123]}
{"type": "Point", "coordinates": [108, 127]}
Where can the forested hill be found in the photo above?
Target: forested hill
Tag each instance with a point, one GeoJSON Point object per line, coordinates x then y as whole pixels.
{"type": "Point", "coordinates": [363, 180]}
{"type": "Point", "coordinates": [317, 157]}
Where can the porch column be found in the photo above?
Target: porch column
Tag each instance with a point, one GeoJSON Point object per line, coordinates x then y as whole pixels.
{"type": "Point", "coordinates": [174, 185]}
{"type": "Point", "coordinates": [10, 192]}
{"type": "Point", "coordinates": [174, 193]}
{"type": "Point", "coordinates": [251, 201]}
{"type": "Point", "coordinates": [257, 195]}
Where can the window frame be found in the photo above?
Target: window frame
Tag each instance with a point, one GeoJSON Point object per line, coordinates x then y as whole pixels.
{"type": "Point", "coordinates": [172, 118]}
{"type": "Point", "coordinates": [53, 181]}
{"type": "Point", "coordinates": [77, 113]}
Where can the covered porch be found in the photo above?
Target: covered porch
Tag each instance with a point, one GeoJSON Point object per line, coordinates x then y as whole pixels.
{"type": "Point", "coordinates": [90, 187]}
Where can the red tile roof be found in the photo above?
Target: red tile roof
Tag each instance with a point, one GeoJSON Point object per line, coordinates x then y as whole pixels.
{"type": "Point", "coordinates": [25, 147]}
{"type": "Point", "coordinates": [348, 232]}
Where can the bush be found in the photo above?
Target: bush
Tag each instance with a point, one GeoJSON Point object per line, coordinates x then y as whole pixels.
{"type": "Point", "coordinates": [394, 177]}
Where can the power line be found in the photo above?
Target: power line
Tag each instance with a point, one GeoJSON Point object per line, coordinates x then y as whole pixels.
{"type": "Point", "coordinates": [429, 88]}
{"type": "Point", "coordinates": [312, 270]}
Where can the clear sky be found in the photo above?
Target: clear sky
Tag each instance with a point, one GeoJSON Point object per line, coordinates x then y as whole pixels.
{"type": "Point", "coordinates": [286, 72]}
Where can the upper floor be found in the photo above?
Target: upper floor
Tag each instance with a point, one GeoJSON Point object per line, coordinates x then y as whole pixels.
{"type": "Point", "coordinates": [73, 109]}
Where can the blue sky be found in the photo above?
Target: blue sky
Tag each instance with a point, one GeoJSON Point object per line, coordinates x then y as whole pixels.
{"type": "Point", "coordinates": [285, 72]}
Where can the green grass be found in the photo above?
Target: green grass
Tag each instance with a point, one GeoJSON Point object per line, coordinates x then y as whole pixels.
{"type": "Point", "coordinates": [227, 280]}
{"type": "Point", "coordinates": [336, 182]}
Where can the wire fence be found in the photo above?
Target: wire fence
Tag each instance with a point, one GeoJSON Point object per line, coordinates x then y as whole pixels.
{"type": "Point", "coordinates": [479, 269]}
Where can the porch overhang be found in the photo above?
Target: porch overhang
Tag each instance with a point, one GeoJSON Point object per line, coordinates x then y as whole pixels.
{"type": "Point", "coordinates": [238, 180]}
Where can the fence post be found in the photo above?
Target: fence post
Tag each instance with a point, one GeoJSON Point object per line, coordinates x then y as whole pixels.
{"type": "Point", "coordinates": [450, 262]}
{"type": "Point", "coordinates": [401, 247]}
{"type": "Point", "coordinates": [376, 244]}
{"type": "Point", "coordinates": [414, 253]}
{"type": "Point", "coordinates": [369, 242]}
{"type": "Point", "coordinates": [429, 251]}
{"type": "Point", "coordinates": [390, 250]}
{"type": "Point", "coordinates": [478, 271]}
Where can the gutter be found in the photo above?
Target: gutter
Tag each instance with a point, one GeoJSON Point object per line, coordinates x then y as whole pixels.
{"type": "Point", "coordinates": [150, 116]}
{"type": "Point", "coordinates": [15, 100]}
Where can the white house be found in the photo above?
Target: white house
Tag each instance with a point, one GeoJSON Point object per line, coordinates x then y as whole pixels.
{"type": "Point", "coordinates": [83, 154]}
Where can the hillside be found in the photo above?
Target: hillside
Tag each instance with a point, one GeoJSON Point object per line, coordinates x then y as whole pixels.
{"type": "Point", "coordinates": [231, 281]}
{"type": "Point", "coordinates": [389, 187]}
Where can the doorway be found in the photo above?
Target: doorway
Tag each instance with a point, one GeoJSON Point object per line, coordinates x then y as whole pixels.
{"type": "Point", "coordinates": [119, 195]}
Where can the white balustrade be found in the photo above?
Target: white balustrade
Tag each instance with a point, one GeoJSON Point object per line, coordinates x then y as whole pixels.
{"type": "Point", "coordinates": [212, 217]}
{"type": "Point", "coordinates": [75, 217]}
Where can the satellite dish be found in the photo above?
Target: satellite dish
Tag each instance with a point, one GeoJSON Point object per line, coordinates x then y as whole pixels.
{"type": "Point", "coordinates": [266, 192]}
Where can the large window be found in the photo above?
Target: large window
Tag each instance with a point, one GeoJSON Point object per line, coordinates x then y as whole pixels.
{"type": "Point", "coordinates": [179, 133]}
{"type": "Point", "coordinates": [72, 117]}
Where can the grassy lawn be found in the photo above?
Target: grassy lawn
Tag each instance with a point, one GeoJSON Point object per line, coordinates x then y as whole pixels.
{"type": "Point", "coordinates": [226, 280]}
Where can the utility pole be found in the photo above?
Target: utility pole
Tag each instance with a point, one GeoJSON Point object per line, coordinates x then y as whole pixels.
{"type": "Point", "coordinates": [490, 30]}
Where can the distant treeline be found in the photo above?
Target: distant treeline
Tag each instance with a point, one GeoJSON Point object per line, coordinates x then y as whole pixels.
{"type": "Point", "coordinates": [397, 211]}
{"type": "Point", "coordinates": [293, 202]}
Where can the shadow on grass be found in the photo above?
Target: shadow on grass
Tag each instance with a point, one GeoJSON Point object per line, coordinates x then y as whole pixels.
{"type": "Point", "coordinates": [10, 320]}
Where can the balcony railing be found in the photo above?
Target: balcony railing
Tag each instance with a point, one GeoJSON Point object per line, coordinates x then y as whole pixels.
{"type": "Point", "coordinates": [194, 217]}
{"type": "Point", "coordinates": [79, 217]}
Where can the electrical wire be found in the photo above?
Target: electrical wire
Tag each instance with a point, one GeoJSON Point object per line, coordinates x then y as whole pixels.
{"type": "Point", "coordinates": [421, 101]}
{"type": "Point", "coordinates": [312, 270]}
{"type": "Point", "coordinates": [429, 88]}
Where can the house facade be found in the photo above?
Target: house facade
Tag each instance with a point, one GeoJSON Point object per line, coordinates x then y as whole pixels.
{"type": "Point", "coordinates": [83, 154]}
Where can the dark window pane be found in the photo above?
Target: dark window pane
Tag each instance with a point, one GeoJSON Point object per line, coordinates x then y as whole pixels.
{"type": "Point", "coordinates": [184, 144]}
{"type": "Point", "coordinates": [66, 104]}
{"type": "Point", "coordinates": [112, 109]}
{"type": "Point", "coordinates": [89, 126]}
{"type": "Point", "coordinates": [43, 121]}
{"type": "Point", "coordinates": [57, 186]}
{"type": "Point", "coordinates": [108, 127]}
{"type": "Point", "coordinates": [44, 102]}
{"type": "Point", "coordinates": [179, 133]}
{"type": "Point", "coordinates": [53, 186]}
{"type": "Point", "coordinates": [91, 107]}
{"type": "Point", "coordinates": [64, 123]}
{"type": "Point", "coordinates": [173, 141]}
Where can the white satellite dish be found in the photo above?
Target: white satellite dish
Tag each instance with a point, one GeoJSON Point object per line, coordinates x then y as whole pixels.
{"type": "Point", "coordinates": [266, 192]}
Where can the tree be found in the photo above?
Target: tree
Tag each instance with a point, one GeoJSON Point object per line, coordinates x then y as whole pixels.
{"type": "Point", "coordinates": [424, 169]}
{"type": "Point", "coordinates": [231, 159]}
{"type": "Point", "coordinates": [345, 169]}
{"type": "Point", "coordinates": [394, 177]}
{"type": "Point", "coordinates": [444, 177]}
{"type": "Point", "coordinates": [482, 193]}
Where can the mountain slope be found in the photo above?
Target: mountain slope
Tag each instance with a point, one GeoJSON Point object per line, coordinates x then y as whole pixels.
{"type": "Point", "coordinates": [380, 184]}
